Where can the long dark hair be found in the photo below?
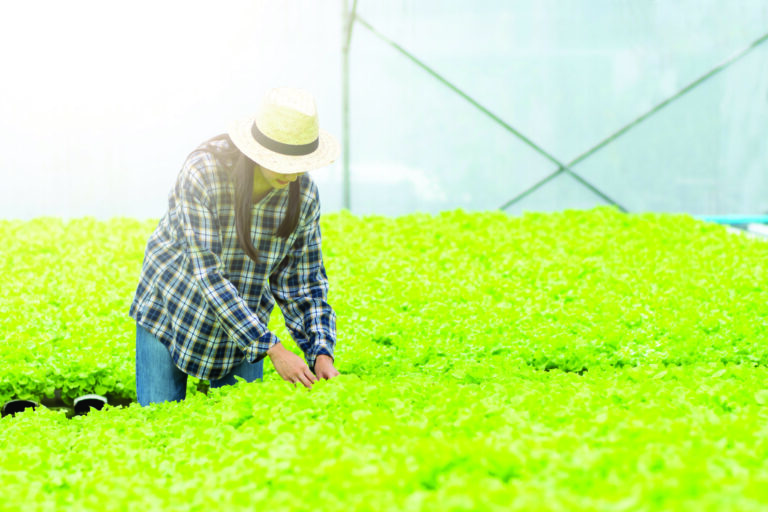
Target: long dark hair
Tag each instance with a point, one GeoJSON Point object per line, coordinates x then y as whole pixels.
{"type": "Point", "coordinates": [241, 170]}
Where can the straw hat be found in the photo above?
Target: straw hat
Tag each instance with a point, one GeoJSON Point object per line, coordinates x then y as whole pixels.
{"type": "Point", "coordinates": [284, 135]}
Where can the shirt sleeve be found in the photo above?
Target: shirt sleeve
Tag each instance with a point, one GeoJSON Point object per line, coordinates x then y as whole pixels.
{"type": "Point", "coordinates": [202, 247]}
{"type": "Point", "coordinates": [300, 287]}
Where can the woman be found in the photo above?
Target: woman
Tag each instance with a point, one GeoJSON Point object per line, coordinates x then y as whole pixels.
{"type": "Point", "coordinates": [241, 232]}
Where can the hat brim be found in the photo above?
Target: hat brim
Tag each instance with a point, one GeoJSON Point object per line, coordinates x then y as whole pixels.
{"type": "Point", "coordinates": [327, 151]}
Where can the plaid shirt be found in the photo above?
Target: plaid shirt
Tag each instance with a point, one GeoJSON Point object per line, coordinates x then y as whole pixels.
{"type": "Point", "coordinates": [206, 300]}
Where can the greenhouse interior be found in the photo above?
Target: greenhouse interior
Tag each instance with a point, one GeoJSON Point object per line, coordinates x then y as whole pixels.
{"type": "Point", "coordinates": [384, 256]}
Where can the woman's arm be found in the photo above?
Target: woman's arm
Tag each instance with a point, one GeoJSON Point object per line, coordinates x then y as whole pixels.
{"type": "Point", "coordinates": [300, 286]}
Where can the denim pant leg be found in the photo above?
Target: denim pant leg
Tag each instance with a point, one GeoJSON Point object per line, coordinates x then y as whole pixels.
{"type": "Point", "coordinates": [157, 378]}
{"type": "Point", "coordinates": [249, 371]}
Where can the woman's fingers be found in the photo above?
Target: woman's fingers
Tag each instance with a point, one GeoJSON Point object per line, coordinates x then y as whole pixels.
{"type": "Point", "coordinates": [304, 380]}
{"type": "Point", "coordinates": [304, 376]}
{"type": "Point", "coordinates": [293, 369]}
{"type": "Point", "coordinates": [328, 374]}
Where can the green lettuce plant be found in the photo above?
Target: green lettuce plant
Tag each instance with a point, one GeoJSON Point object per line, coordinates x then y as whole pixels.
{"type": "Point", "coordinates": [582, 360]}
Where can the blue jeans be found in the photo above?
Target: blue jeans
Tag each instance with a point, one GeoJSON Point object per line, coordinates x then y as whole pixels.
{"type": "Point", "coordinates": [159, 380]}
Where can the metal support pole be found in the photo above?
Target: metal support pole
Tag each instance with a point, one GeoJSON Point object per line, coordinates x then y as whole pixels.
{"type": "Point", "coordinates": [347, 23]}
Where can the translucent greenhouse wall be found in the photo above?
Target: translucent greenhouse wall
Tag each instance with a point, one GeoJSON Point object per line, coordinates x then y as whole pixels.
{"type": "Point", "coordinates": [565, 75]}
{"type": "Point", "coordinates": [97, 120]}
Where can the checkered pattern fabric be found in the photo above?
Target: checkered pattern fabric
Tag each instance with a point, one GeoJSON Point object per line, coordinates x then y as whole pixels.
{"type": "Point", "coordinates": [206, 300]}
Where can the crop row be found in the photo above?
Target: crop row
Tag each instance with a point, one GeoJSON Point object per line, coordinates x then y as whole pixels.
{"type": "Point", "coordinates": [574, 290]}
{"type": "Point", "coordinates": [645, 438]}
{"type": "Point", "coordinates": [572, 361]}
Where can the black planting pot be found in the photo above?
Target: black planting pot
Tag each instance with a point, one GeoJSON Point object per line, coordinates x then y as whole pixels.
{"type": "Point", "coordinates": [14, 406]}
{"type": "Point", "coordinates": [58, 402]}
{"type": "Point", "coordinates": [83, 404]}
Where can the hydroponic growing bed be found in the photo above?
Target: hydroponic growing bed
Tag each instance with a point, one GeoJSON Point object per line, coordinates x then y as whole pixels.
{"type": "Point", "coordinates": [584, 360]}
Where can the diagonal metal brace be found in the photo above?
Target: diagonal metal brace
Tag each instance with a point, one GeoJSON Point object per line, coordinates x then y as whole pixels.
{"type": "Point", "coordinates": [720, 67]}
{"type": "Point", "coordinates": [561, 166]}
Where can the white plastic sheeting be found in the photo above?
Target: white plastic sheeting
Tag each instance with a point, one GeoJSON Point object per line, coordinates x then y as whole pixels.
{"type": "Point", "coordinates": [100, 102]}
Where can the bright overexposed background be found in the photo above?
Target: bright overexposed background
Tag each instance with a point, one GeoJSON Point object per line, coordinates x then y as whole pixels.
{"type": "Point", "coordinates": [101, 101]}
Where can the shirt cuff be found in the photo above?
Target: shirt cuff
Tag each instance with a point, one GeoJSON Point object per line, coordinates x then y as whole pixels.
{"type": "Point", "coordinates": [317, 349]}
{"type": "Point", "coordinates": [258, 350]}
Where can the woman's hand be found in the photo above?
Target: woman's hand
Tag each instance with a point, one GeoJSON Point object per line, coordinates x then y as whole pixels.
{"type": "Point", "coordinates": [324, 367]}
{"type": "Point", "coordinates": [290, 366]}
